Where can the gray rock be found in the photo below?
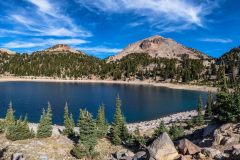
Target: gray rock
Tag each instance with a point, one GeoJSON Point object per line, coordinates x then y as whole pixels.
{"type": "Point", "coordinates": [187, 147]}
{"type": "Point", "coordinates": [225, 127]}
{"type": "Point", "coordinates": [141, 155]}
{"type": "Point", "coordinates": [230, 140]}
{"type": "Point", "coordinates": [43, 157]}
{"type": "Point", "coordinates": [235, 154]}
{"type": "Point", "coordinates": [18, 156]}
{"type": "Point", "coordinates": [210, 152]}
{"type": "Point", "coordinates": [163, 148]}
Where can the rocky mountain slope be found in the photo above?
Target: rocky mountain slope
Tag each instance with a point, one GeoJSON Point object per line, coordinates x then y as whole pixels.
{"type": "Point", "coordinates": [158, 46]}
{"type": "Point", "coordinates": [6, 51]}
{"type": "Point", "coordinates": [60, 48]}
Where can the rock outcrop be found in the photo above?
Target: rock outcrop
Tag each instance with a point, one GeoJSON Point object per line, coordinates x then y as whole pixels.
{"type": "Point", "coordinates": [158, 46]}
{"type": "Point", "coordinates": [163, 148]}
{"type": "Point", "coordinates": [187, 147]}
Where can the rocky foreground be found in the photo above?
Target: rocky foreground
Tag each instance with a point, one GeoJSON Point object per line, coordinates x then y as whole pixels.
{"type": "Point", "coordinates": [213, 142]}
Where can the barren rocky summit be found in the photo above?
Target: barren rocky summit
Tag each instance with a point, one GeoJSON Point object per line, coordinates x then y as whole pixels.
{"type": "Point", "coordinates": [158, 46]}
{"type": "Point", "coordinates": [6, 51]}
{"type": "Point", "coordinates": [60, 48]}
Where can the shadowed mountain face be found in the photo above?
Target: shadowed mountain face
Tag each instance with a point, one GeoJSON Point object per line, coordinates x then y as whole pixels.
{"type": "Point", "coordinates": [158, 46]}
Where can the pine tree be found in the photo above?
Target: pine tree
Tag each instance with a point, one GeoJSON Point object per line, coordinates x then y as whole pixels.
{"type": "Point", "coordinates": [87, 130]}
{"type": "Point", "coordinates": [10, 119]}
{"type": "Point", "coordinates": [161, 129]}
{"type": "Point", "coordinates": [200, 116]}
{"type": "Point", "coordinates": [224, 106]}
{"type": "Point", "coordinates": [208, 112]}
{"type": "Point", "coordinates": [68, 122]}
{"type": "Point", "coordinates": [19, 130]}
{"type": "Point", "coordinates": [176, 132]}
{"type": "Point", "coordinates": [102, 126]}
{"type": "Point", "coordinates": [119, 131]}
{"type": "Point", "coordinates": [44, 128]}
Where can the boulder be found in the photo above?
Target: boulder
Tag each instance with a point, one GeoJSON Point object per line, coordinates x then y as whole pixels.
{"type": "Point", "coordinates": [185, 157]}
{"type": "Point", "coordinates": [237, 146]}
{"type": "Point", "coordinates": [163, 148]}
{"type": "Point", "coordinates": [43, 157]}
{"type": "Point", "coordinates": [18, 156]}
{"type": "Point", "coordinates": [141, 155]}
{"type": "Point", "coordinates": [217, 139]}
{"type": "Point", "coordinates": [235, 154]}
{"type": "Point", "coordinates": [225, 127]}
{"type": "Point", "coordinates": [214, 154]}
{"type": "Point", "coordinates": [230, 140]}
{"type": "Point", "coordinates": [201, 156]}
{"type": "Point", "coordinates": [123, 154]}
{"type": "Point", "coordinates": [187, 147]}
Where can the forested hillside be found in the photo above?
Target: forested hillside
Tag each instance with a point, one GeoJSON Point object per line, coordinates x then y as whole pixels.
{"type": "Point", "coordinates": [78, 66]}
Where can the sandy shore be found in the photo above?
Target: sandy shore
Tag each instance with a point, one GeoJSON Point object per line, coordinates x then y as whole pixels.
{"type": "Point", "coordinates": [149, 83]}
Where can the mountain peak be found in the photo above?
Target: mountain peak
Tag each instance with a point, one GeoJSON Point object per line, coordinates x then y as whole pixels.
{"type": "Point", "coordinates": [61, 48]}
{"type": "Point", "coordinates": [6, 51]}
{"type": "Point", "coordinates": [158, 46]}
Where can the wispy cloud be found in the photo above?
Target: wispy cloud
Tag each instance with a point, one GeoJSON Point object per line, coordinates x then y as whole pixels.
{"type": "Point", "coordinates": [41, 43]}
{"type": "Point", "coordinates": [217, 40]}
{"type": "Point", "coordinates": [168, 13]}
{"type": "Point", "coordinates": [44, 18]}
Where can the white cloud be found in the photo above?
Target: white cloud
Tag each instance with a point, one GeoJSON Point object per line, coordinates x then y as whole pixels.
{"type": "Point", "coordinates": [171, 13]}
{"type": "Point", "coordinates": [46, 19]}
{"type": "Point", "coordinates": [42, 43]}
{"type": "Point", "coordinates": [217, 40]}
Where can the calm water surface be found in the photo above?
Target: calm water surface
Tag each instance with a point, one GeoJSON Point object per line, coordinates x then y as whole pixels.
{"type": "Point", "coordinates": [139, 103]}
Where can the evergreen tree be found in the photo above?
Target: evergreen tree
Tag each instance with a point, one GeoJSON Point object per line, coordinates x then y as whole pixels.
{"type": "Point", "coordinates": [176, 131]}
{"type": "Point", "coordinates": [87, 135]}
{"type": "Point", "coordinates": [10, 119]}
{"type": "Point", "coordinates": [19, 130]}
{"type": "Point", "coordinates": [118, 130]}
{"type": "Point", "coordinates": [200, 116]}
{"type": "Point", "coordinates": [44, 128]}
{"type": "Point", "coordinates": [87, 130]}
{"type": "Point", "coordinates": [102, 126]}
{"type": "Point", "coordinates": [68, 122]}
{"type": "Point", "coordinates": [160, 129]}
{"type": "Point", "coordinates": [208, 112]}
{"type": "Point", "coordinates": [224, 107]}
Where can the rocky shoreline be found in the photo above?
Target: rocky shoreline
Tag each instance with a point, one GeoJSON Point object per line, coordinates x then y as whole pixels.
{"type": "Point", "coordinates": [146, 127]}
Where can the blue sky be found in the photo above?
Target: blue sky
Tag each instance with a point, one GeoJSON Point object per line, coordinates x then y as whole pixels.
{"type": "Point", "coordinates": [104, 27]}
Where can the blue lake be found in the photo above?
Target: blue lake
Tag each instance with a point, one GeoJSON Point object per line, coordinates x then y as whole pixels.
{"type": "Point", "coordinates": [139, 103]}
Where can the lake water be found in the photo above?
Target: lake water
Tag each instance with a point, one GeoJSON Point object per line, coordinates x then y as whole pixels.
{"type": "Point", "coordinates": [139, 103]}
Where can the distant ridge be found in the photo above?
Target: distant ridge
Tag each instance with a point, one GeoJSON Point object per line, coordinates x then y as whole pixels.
{"type": "Point", "coordinates": [6, 51]}
{"type": "Point", "coordinates": [60, 48]}
{"type": "Point", "coordinates": [158, 46]}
